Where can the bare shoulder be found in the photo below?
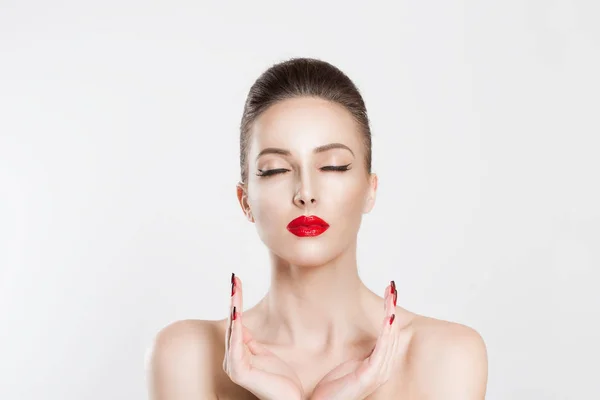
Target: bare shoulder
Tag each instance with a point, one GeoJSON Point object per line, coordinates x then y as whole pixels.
{"type": "Point", "coordinates": [182, 361]}
{"type": "Point", "coordinates": [447, 360]}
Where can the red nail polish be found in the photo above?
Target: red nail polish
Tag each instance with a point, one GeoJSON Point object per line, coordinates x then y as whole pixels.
{"type": "Point", "coordinates": [395, 298]}
{"type": "Point", "coordinates": [233, 314]}
{"type": "Point", "coordinates": [393, 288]}
{"type": "Point", "coordinates": [392, 318]}
{"type": "Point", "coordinates": [232, 284]}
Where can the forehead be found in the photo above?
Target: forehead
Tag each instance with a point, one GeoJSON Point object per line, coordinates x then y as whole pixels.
{"type": "Point", "coordinates": [301, 124]}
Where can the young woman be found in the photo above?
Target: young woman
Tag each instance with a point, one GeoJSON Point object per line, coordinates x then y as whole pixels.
{"type": "Point", "coordinates": [319, 333]}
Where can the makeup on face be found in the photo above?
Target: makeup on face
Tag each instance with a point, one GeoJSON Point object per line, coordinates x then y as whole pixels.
{"type": "Point", "coordinates": [265, 172]}
{"type": "Point", "coordinates": [307, 226]}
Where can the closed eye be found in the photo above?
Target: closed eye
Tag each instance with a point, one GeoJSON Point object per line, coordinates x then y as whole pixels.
{"type": "Point", "coordinates": [336, 168]}
{"type": "Point", "coordinates": [271, 172]}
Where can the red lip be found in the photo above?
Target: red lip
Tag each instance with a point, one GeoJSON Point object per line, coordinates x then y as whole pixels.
{"type": "Point", "coordinates": [304, 226]}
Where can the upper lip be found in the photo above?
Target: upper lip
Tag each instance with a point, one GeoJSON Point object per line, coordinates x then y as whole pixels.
{"type": "Point", "coordinates": [310, 220]}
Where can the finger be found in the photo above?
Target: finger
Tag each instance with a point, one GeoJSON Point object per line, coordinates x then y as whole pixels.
{"type": "Point", "coordinates": [392, 324]}
{"type": "Point", "coordinates": [237, 290]}
{"type": "Point", "coordinates": [383, 339]}
{"type": "Point", "coordinates": [237, 331]}
{"type": "Point", "coordinates": [390, 355]}
{"type": "Point", "coordinates": [386, 300]}
{"type": "Point", "coordinates": [246, 334]}
{"type": "Point", "coordinates": [258, 349]}
{"type": "Point", "coordinates": [391, 294]}
{"type": "Point", "coordinates": [389, 305]}
{"type": "Point", "coordinates": [236, 344]}
{"type": "Point", "coordinates": [372, 365]}
{"type": "Point", "coordinates": [276, 367]}
{"type": "Point", "coordinates": [255, 347]}
{"type": "Point", "coordinates": [384, 332]}
{"type": "Point", "coordinates": [388, 291]}
{"type": "Point", "coordinates": [382, 357]}
{"type": "Point", "coordinates": [228, 331]}
{"type": "Point", "coordinates": [248, 340]}
{"type": "Point", "coordinates": [375, 371]}
{"type": "Point", "coordinates": [392, 339]}
{"type": "Point", "coordinates": [235, 301]}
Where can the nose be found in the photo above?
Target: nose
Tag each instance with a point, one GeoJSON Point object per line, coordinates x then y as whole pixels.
{"type": "Point", "coordinates": [305, 194]}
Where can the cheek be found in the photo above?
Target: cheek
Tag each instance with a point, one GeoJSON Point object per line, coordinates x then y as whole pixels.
{"type": "Point", "coordinates": [349, 198]}
{"type": "Point", "coordinates": [266, 205]}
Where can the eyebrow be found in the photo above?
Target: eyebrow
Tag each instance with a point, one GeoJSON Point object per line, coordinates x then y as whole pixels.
{"type": "Point", "coordinates": [320, 149]}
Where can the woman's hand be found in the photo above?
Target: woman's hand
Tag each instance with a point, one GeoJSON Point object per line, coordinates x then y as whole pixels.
{"type": "Point", "coordinates": [357, 379]}
{"type": "Point", "coordinates": [252, 366]}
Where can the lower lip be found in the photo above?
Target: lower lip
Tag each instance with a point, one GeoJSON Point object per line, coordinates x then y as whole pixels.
{"type": "Point", "coordinates": [307, 231]}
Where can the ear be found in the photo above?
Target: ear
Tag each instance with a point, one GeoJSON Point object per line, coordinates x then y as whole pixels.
{"type": "Point", "coordinates": [242, 196]}
{"type": "Point", "coordinates": [371, 194]}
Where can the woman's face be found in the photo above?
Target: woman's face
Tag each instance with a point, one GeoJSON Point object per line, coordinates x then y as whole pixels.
{"type": "Point", "coordinates": [287, 149]}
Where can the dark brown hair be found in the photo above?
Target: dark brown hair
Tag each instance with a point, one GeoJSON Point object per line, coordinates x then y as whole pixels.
{"type": "Point", "coordinates": [302, 77]}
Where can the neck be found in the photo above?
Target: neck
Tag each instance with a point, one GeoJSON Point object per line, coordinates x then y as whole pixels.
{"type": "Point", "coordinates": [316, 308]}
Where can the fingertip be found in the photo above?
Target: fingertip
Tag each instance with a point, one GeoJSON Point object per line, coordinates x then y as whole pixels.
{"type": "Point", "coordinates": [232, 284]}
{"type": "Point", "coordinates": [236, 284]}
{"type": "Point", "coordinates": [388, 290]}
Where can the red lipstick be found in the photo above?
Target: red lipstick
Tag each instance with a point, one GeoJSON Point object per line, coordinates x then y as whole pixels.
{"type": "Point", "coordinates": [304, 226]}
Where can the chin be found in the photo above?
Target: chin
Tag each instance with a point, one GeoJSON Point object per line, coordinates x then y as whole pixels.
{"type": "Point", "coordinates": [306, 252]}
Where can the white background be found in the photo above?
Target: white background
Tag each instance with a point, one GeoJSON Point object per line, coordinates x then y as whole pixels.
{"type": "Point", "coordinates": [119, 159]}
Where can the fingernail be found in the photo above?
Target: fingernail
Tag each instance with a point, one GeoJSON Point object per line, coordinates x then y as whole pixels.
{"type": "Point", "coordinates": [232, 284]}
{"type": "Point", "coordinates": [393, 288]}
{"type": "Point", "coordinates": [233, 315]}
{"type": "Point", "coordinates": [392, 318]}
{"type": "Point", "coordinates": [395, 298]}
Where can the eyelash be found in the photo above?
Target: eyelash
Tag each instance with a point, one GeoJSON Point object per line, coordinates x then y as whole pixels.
{"type": "Point", "coordinates": [271, 172]}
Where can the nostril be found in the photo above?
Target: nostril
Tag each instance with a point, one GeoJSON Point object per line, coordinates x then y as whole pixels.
{"type": "Point", "coordinates": [303, 202]}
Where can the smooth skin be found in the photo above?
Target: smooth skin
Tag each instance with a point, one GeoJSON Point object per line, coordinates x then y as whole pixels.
{"type": "Point", "coordinates": [319, 333]}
